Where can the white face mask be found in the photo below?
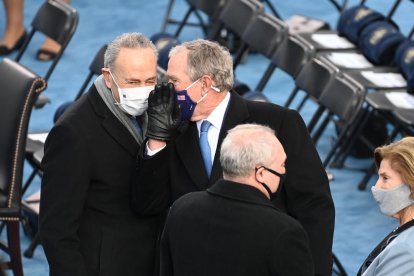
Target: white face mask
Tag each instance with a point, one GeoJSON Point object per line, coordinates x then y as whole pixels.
{"type": "Point", "coordinates": [133, 101]}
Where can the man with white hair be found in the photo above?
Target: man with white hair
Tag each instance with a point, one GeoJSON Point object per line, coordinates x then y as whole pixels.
{"type": "Point", "coordinates": [233, 228]}
{"type": "Point", "coordinates": [179, 160]}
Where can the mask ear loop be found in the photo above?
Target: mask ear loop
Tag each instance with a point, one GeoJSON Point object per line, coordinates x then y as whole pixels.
{"type": "Point", "coordinates": [215, 88]}
{"type": "Point", "coordinates": [112, 92]}
{"type": "Point", "coordinates": [263, 184]}
{"type": "Point", "coordinates": [191, 85]}
{"type": "Point", "coordinates": [202, 98]}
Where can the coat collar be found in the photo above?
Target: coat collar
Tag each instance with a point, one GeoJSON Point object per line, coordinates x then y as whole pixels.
{"type": "Point", "coordinates": [240, 192]}
{"type": "Point", "coordinates": [236, 114]}
{"type": "Point", "coordinates": [189, 150]}
{"type": "Point", "coordinates": [109, 122]}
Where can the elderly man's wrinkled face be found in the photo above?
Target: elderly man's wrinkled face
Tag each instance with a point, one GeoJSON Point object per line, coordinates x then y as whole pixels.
{"type": "Point", "coordinates": [133, 68]}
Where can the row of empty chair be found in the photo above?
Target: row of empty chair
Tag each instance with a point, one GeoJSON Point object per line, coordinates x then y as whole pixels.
{"type": "Point", "coordinates": [346, 71]}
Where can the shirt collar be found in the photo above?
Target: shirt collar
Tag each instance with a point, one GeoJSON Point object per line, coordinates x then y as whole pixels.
{"type": "Point", "coordinates": [217, 116]}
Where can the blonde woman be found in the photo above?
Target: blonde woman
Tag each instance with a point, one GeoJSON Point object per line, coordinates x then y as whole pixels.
{"type": "Point", "coordinates": [394, 193]}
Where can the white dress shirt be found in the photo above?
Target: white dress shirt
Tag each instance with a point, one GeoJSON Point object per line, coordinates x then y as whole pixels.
{"type": "Point", "coordinates": [216, 119]}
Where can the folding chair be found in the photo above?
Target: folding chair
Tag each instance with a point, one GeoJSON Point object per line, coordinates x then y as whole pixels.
{"type": "Point", "coordinates": [387, 104]}
{"type": "Point", "coordinates": [299, 49]}
{"type": "Point", "coordinates": [58, 21]}
{"type": "Point", "coordinates": [342, 102]}
{"type": "Point", "coordinates": [290, 57]}
{"type": "Point", "coordinates": [388, 77]}
{"type": "Point", "coordinates": [234, 17]}
{"type": "Point", "coordinates": [19, 89]}
{"type": "Point", "coordinates": [208, 7]}
{"type": "Point", "coordinates": [378, 101]}
{"type": "Point", "coordinates": [312, 80]}
{"type": "Point", "coordinates": [351, 23]}
{"type": "Point", "coordinates": [406, 118]}
{"type": "Point", "coordinates": [264, 34]}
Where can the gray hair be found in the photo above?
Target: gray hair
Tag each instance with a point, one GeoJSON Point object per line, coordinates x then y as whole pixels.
{"type": "Point", "coordinates": [246, 147]}
{"type": "Point", "coordinates": [126, 40]}
{"type": "Point", "coordinates": [208, 58]}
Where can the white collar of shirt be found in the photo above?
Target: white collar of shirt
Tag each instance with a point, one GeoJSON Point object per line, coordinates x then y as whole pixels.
{"type": "Point", "coordinates": [217, 116]}
{"type": "Point", "coordinates": [216, 119]}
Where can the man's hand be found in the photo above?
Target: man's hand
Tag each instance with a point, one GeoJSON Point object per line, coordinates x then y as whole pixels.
{"type": "Point", "coordinates": [164, 115]}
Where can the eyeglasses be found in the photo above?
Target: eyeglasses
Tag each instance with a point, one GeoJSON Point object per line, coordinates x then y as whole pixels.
{"type": "Point", "coordinates": [271, 171]}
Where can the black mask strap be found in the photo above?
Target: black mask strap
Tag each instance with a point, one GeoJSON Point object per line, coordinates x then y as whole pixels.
{"type": "Point", "coordinates": [264, 184]}
{"type": "Point", "coordinates": [281, 177]}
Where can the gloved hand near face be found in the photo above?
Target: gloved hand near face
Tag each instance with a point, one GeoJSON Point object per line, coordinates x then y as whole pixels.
{"type": "Point", "coordinates": [164, 115]}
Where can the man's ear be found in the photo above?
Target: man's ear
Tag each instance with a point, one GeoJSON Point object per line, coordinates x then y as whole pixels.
{"type": "Point", "coordinates": [107, 77]}
{"type": "Point", "coordinates": [259, 174]}
{"type": "Point", "coordinates": [207, 82]}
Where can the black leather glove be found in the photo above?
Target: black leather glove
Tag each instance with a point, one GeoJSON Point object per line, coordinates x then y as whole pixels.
{"type": "Point", "coordinates": [164, 115]}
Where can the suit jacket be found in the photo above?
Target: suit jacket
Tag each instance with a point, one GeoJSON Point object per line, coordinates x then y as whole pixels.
{"type": "Point", "coordinates": [87, 226]}
{"type": "Point", "coordinates": [179, 169]}
{"type": "Point", "coordinates": [397, 259]}
{"type": "Point", "coordinates": [232, 229]}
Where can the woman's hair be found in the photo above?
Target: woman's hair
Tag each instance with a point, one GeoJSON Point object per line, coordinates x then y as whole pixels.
{"type": "Point", "coordinates": [401, 157]}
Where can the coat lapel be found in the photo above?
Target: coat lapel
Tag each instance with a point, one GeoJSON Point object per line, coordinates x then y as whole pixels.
{"type": "Point", "coordinates": [236, 114]}
{"type": "Point", "coordinates": [188, 151]}
{"type": "Point", "coordinates": [113, 126]}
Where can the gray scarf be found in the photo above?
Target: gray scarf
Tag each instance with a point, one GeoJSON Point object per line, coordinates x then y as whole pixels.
{"type": "Point", "coordinates": [107, 97]}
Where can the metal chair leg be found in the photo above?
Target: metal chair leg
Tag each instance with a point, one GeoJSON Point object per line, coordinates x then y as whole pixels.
{"type": "Point", "coordinates": [338, 269]}
{"type": "Point", "coordinates": [32, 246]}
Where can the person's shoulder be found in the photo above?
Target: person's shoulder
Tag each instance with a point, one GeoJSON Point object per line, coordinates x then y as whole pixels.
{"type": "Point", "coordinates": [405, 240]}
{"type": "Point", "coordinates": [189, 200]}
{"type": "Point", "coordinates": [76, 112]}
{"type": "Point", "coordinates": [281, 220]}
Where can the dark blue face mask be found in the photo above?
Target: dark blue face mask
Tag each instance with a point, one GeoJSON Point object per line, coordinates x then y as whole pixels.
{"type": "Point", "coordinates": [186, 103]}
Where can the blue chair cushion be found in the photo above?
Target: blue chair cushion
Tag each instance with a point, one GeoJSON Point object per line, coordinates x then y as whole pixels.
{"type": "Point", "coordinates": [164, 42]}
{"type": "Point", "coordinates": [404, 58]}
{"type": "Point", "coordinates": [353, 20]}
{"type": "Point", "coordinates": [379, 41]}
{"type": "Point", "coordinates": [60, 110]}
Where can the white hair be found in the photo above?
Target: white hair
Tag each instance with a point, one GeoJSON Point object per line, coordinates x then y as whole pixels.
{"type": "Point", "coordinates": [246, 147]}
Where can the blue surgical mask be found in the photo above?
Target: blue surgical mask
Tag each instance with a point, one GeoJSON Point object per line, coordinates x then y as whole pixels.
{"type": "Point", "coordinates": [186, 103]}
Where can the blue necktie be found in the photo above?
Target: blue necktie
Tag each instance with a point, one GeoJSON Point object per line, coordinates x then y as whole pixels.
{"type": "Point", "coordinates": [136, 125]}
{"type": "Point", "coordinates": [205, 146]}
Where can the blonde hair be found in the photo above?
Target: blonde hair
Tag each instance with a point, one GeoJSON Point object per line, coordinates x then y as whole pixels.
{"type": "Point", "coordinates": [401, 157]}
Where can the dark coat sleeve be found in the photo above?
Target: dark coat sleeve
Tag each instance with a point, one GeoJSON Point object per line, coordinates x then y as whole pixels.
{"type": "Point", "coordinates": [150, 187]}
{"type": "Point", "coordinates": [306, 191]}
{"type": "Point", "coordinates": [166, 267]}
{"type": "Point", "coordinates": [63, 193]}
